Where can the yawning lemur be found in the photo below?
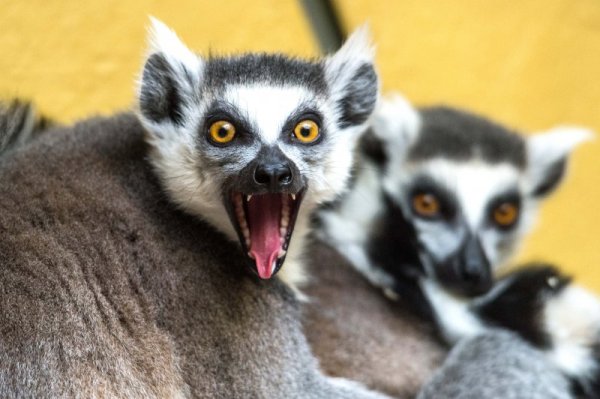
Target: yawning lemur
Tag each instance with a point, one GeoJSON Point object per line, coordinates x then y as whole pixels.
{"type": "Point", "coordinates": [107, 289]}
{"type": "Point", "coordinates": [256, 136]}
{"type": "Point", "coordinates": [441, 200]}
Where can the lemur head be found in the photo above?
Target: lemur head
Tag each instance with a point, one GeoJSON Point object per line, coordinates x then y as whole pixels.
{"type": "Point", "coordinates": [469, 187]}
{"type": "Point", "coordinates": [249, 142]}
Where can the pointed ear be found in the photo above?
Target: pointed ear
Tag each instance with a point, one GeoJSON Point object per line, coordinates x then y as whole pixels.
{"type": "Point", "coordinates": [547, 156]}
{"type": "Point", "coordinates": [352, 80]}
{"type": "Point", "coordinates": [170, 79]}
{"type": "Point", "coordinates": [396, 123]}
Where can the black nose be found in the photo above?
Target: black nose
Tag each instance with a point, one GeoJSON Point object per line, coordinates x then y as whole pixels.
{"type": "Point", "coordinates": [474, 269]}
{"type": "Point", "coordinates": [275, 176]}
{"type": "Point", "coordinates": [468, 271]}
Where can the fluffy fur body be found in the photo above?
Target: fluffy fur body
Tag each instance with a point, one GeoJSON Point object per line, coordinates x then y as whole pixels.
{"type": "Point", "coordinates": [469, 164]}
{"type": "Point", "coordinates": [357, 333]}
{"type": "Point", "coordinates": [109, 291]}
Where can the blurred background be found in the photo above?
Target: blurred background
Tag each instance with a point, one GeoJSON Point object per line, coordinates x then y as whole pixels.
{"type": "Point", "coordinates": [530, 64]}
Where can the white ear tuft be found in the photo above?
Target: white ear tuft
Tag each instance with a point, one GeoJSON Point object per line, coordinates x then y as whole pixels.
{"type": "Point", "coordinates": [162, 39]}
{"type": "Point", "coordinates": [357, 48]}
{"type": "Point", "coordinates": [558, 142]}
{"type": "Point", "coordinates": [352, 80]}
{"type": "Point", "coordinates": [396, 120]}
{"type": "Point", "coordinates": [170, 81]}
{"type": "Point", "coordinates": [547, 155]}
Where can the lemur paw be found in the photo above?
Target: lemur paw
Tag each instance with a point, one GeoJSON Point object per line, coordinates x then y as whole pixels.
{"type": "Point", "coordinates": [572, 320]}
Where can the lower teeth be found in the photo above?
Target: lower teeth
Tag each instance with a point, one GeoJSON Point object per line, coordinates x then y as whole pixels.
{"type": "Point", "coordinates": [273, 266]}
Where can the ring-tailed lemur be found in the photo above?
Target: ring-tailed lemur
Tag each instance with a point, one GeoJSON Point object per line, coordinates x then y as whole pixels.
{"type": "Point", "coordinates": [108, 290]}
{"type": "Point", "coordinates": [441, 200]}
{"type": "Point", "coordinates": [256, 136]}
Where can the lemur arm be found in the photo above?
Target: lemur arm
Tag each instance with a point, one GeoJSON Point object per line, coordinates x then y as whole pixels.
{"type": "Point", "coordinates": [496, 365]}
{"type": "Point", "coordinates": [542, 306]}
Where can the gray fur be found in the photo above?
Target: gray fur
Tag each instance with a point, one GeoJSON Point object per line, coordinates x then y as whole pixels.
{"type": "Point", "coordinates": [108, 291]}
{"type": "Point", "coordinates": [160, 94]}
{"type": "Point", "coordinates": [275, 69]}
{"type": "Point", "coordinates": [496, 365]}
{"type": "Point", "coordinates": [460, 135]}
{"type": "Point", "coordinates": [360, 96]}
{"type": "Point", "coordinates": [357, 333]}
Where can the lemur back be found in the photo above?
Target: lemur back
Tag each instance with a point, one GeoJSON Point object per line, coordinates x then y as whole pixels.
{"type": "Point", "coordinates": [109, 290]}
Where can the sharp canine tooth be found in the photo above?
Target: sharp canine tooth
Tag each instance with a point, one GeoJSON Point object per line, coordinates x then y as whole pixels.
{"type": "Point", "coordinates": [281, 253]}
{"type": "Point", "coordinates": [293, 196]}
{"type": "Point", "coordinates": [248, 197]}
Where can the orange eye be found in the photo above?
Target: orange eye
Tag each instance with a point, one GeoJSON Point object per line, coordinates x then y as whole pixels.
{"type": "Point", "coordinates": [222, 132]}
{"type": "Point", "coordinates": [426, 205]}
{"type": "Point", "coordinates": [307, 131]}
{"type": "Point", "coordinates": [505, 214]}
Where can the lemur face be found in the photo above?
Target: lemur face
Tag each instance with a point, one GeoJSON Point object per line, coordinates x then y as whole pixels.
{"type": "Point", "coordinates": [469, 188]}
{"type": "Point", "coordinates": [251, 143]}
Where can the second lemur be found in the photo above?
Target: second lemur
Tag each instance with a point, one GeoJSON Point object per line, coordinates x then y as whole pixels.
{"type": "Point", "coordinates": [441, 200]}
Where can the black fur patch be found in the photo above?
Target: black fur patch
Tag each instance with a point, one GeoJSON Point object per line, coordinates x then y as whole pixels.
{"type": "Point", "coordinates": [392, 247]}
{"type": "Point", "coordinates": [511, 196]}
{"type": "Point", "coordinates": [273, 69]}
{"type": "Point", "coordinates": [520, 305]}
{"type": "Point", "coordinates": [373, 149]}
{"type": "Point", "coordinates": [553, 176]}
{"type": "Point", "coordinates": [360, 96]}
{"type": "Point", "coordinates": [458, 135]}
{"type": "Point", "coordinates": [393, 243]}
{"type": "Point", "coordinates": [160, 98]}
{"type": "Point", "coordinates": [447, 200]}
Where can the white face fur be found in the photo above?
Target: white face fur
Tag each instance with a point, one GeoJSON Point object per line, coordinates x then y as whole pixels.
{"type": "Point", "coordinates": [455, 197]}
{"type": "Point", "coordinates": [232, 181]}
{"type": "Point", "coordinates": [474, 186]}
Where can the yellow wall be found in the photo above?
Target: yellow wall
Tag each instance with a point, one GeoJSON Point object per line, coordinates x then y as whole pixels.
{"type": "Point", "coordinates": [529, 63]}
{"type": "Point", "coordinates": [77, 57]}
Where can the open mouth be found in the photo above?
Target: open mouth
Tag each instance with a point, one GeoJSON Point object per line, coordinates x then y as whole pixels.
{"type": "Point", "coordinates": [264, 223]}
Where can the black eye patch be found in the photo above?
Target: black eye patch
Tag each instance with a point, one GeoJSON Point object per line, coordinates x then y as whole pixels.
{"type": "Point", "coordinates": [302, 113]}
{"type": "Point", "coordinates": [223, 111]}
{"type": "Point", "coordinates": [511, 199]}
{"type": "Point", "coordinates": [448, 204]}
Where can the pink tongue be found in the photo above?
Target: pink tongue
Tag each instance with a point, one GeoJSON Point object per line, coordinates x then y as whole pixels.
{"type": "Point", "coordinates": [264, 214]}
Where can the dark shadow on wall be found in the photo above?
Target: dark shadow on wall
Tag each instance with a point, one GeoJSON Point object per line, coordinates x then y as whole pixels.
{"type": "Point", "coordinates": [326, 24]}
